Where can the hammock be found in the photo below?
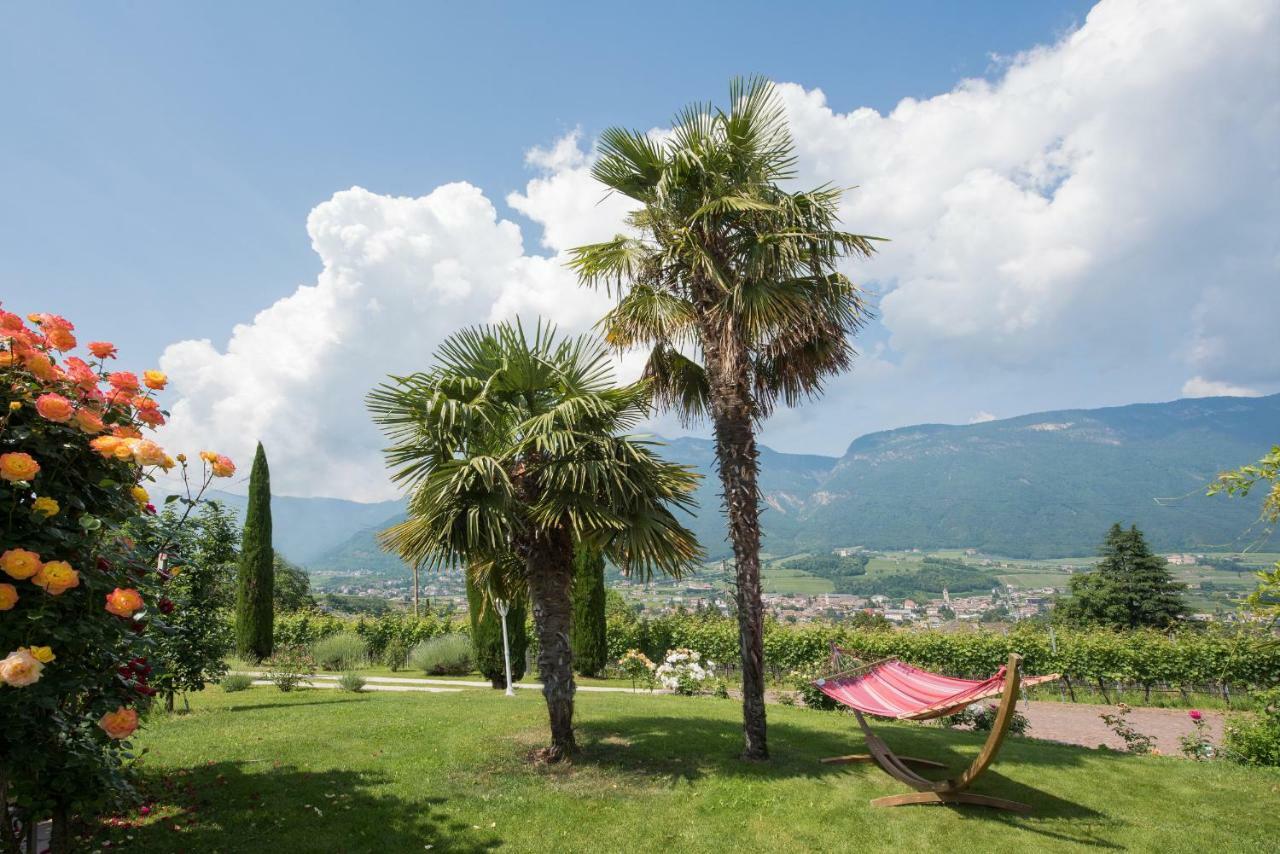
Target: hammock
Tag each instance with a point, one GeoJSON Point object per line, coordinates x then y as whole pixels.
{"type": "Point", "coordinates": [892, 689]}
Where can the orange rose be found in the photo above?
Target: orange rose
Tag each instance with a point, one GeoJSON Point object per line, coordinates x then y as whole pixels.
{"type": "Point", "coordinates": [41, 365]}
{"type": "Point", "coordinates": [155, 379]}
{"type": "Point", "coordinates": [123, 381]}
{"type": "Point", "coordinates": [89, 421]}
{"type": "Point", "coordinates": [209, 456]}
{"type": "Point", "coordinates": [81, 373]}
{"type": "Point", "coordinates": [151, 417]}
{"type": "Point", "coordinates": [124, 602]}
{"type": "Point", "coordinates": [61, 339]}
{"type": "Point", "coordinates": [20, 563]}
{"type": "Point", "coordinates": [8, 596]}
{"type": "Point", "coordinates": [106, 445]}
{"type": "Point", "coordinates": [55, 407]}
{"type": "Point", "coordinates": [102, 349]}
{"type": "Point", "coordinates": [148, 453]}
{"type": "Point", "coordinates": [56, 577]}
{"type": "Point", "coordinates": [119, 724]}
{"type": "Point", "coordinates": [223, 467]}
{"type": "Point", "coordinates": [18, 466]}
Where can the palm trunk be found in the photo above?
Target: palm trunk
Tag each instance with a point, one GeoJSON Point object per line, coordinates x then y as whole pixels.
{"type": "Point", "coordinates": [549, 570]}
{"type": "Point", "coordinates": [738, 462]}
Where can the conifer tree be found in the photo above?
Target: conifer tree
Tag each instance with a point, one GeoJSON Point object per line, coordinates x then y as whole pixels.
{"type": "Point", "coordinates": [590, 644]}
{"type": "Point", "coordinates": [1131, 587]}
{"type": "Point", "coordinates": [256, 581]}
{"type": "Point", "coordinates": [486, 636]}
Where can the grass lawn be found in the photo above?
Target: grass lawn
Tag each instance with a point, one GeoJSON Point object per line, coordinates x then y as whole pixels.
{"type": "Point", "coordinates": [318, 771]}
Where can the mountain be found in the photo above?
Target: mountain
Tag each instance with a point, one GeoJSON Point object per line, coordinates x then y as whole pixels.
{"type": "Point", "coordinates": [306, 528]}
{"type": "Point", "coordinates": [1041, 485]}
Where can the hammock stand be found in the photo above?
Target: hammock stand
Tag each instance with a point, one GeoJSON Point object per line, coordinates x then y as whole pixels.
{"type": "Point", "coordinates": [892, 689]}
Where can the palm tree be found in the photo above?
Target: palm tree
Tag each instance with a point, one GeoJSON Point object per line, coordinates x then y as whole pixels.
{"type": "Point", "coordinates": [732, 282]}
{"type": "Point", "coordinates": [514, 452]}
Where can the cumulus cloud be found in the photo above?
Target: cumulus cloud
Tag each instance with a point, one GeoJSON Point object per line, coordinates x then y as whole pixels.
{"type": "Point", "coordinates": [1092, 226]}
{"type": "Point", "coordinates": [1200, 387]}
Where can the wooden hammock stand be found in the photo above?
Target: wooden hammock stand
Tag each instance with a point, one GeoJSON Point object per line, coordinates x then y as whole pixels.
{"type": "Point", "coordinates": [956, 789]}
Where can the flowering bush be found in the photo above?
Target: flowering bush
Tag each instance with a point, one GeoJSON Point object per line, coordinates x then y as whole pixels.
{"type": "Point", "coordinates": [637, 667]}
{"type": "Point", "coordinates": [1196, 744]}
{"type": "Point", "coordinates": [77, 597]}
{"type": "Point", "coordinates": [1134, 741]}
{"type": "Point", "coordinates": [1255, 739]}
{"type": "Point", "coordinates": [683, 671]}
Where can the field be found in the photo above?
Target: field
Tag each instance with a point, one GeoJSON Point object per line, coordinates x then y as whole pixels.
{"type": "Point", "coordinates": [322, 771]}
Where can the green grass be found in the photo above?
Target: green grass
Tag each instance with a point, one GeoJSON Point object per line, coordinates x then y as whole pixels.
{"type": "Point", "coordinates": [317, 771]}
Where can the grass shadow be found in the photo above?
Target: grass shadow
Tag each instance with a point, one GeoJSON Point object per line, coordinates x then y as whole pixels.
{"type": "Point", "coordinates": [282, 809]}
{"type": "Point", "coordinates": [279, 706]}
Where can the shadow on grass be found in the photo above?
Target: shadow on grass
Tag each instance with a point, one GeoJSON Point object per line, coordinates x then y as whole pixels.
{"type": "Point", "coordinates": [275, 707]}
{"type": "Point", "coordinates": [687, 748]}
{"type": "Point", "coordinates": [239, 806]}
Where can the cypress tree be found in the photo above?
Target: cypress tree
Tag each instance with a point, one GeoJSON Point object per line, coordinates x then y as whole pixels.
{"type": "Point", "coordinates": [256, 580]}
{"type": "Point", "coordinates": [486, 636]}
{"type": "Point", "coordinates": [1131, 588]}
{"type": "Point", "coordinates": [590, 644]}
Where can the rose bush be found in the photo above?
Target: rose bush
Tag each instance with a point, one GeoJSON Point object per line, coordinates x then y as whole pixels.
{"type": "Point", "coordinates": [76, 600]}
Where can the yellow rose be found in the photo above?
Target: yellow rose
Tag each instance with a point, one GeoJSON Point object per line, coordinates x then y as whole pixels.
{"type": "Point", "coordinates": [106, 445]}
{"type": "Point", "coordinates": [20, 563]}
{"type": "Point", "coordinates": [119, 724]}
{"type": "Point", "coordinates": [140, 495]}
{"type": "Point", "coordinates": [18, 466]}
{"type": "Point", "coordinates": [14, 405]}
{"type": "Point", "coordinates": [45, 506]}
{"type": "Point", "coordinates": [154, 379]}
{"type": "Point", "coordinates": [148, 453]}
{"type": "Point", "coordinates": [42, 654]}
{"type": "Point", "coordinates": [8, 596]}
{"type": "Point", "coordinates": [56, 577]}
{"type": "Point", "coordinates": [20, 669]}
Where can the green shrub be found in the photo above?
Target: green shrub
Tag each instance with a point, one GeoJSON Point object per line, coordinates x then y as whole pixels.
{"type": "Point", "coordinates": [801, 680]}
{"type": "Point", "coordinates": [396, 655]}
{"type": "Point", "coordinates": [233, 682]}
{"type": "Point", "coordinates": [341, 652]}
{"type": "Point", "coordinates": [447, 655]}
{"type": "Point", "coordinates": [1255, 739]}
{"type": "Point", "coordinates": [289, 667]}
{"type": "Point", "coordinates": [352, 682]}
{"type": "Point", "coordinates": [982, 717]}
{"type": "Point", "coordinates": [486, 637]}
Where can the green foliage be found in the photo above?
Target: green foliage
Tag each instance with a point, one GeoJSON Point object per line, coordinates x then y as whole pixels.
{"type": "Point", "coordinates": [255, 585]}
{"type": "Point", "coordinates": [290, 586]}
{"type": "Point", "coordinates": [1255, 739]}
{"type": "Point", "coordinates": [304, 628]}
{"type": "Point", "coordinates": [982, 717]}
{"type": "Point", "coordinates": [590, 640]}
{"type": "Point", "coordinates": [1131, 587]}
{"type": "Point", "coordinates": [351, 682]}
{"type": "Point", "coordinates": [233, 682]}
{"type": "Point", "coordinates": [395, 655]}
{"type": "Point", "coordinates": [1265, 600]}
{"type": "Point", "coordinates": [289, 667]}
{"type": "Point", "coordinates": [928, 581]}
{"type": "Point", "coordinates": [831, 566]}
{"type": "Point", "coordinates": [486, 636]}
{"type": "Point", "coordinates": [341, 652]}
{"type": "Point", "coordinates": [801, 680]}
{"type": "Point", "coordinates": [1118, 722]}
{"type": "Point", "coordinates": [446, 655]}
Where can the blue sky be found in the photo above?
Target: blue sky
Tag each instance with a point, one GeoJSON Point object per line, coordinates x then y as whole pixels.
{"type": "Point", "coordinates": [281, 203]}
{"type": "Point", "coordinates": [166, 155]}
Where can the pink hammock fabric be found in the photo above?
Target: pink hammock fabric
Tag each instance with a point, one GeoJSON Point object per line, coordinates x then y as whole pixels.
{"type": "Point", "coordinates": [891, 689]}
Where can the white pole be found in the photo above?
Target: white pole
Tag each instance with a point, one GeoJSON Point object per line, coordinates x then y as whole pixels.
{"type": "Point", "coordinates": [503, 607]}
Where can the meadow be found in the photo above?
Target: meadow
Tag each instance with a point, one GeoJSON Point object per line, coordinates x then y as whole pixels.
{"type": "Point", "coordinates": [318, 770]}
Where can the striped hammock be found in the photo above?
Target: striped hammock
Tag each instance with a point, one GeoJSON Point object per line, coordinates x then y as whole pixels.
{"type": "Point", "coordinates": [891, 689]}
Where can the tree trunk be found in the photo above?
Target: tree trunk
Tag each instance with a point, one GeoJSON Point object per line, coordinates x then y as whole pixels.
{"type": "Point", "coordinates": [549, 571]}
{"type": "Point", "coordinates": [60, 831]}
{"type": "Point", "coordinates": [737, 459]}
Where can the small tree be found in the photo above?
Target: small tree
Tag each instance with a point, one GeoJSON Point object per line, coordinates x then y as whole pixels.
{"type": "Point", "coordinates": [1131, 588]}
{"type": "Point", "coordinates": [486, 635]}
{"type": "Point", "coordinates": [1265, 601]}
{"type": "Point", "coordinates": [255, 587]}
{"type": "Point", "coordinates": [590, 644]}
{"type": "Point", "coordinates": [290, 587]}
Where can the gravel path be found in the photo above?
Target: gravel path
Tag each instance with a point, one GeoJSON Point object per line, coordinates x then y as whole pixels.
{"type": "Point", "coordinates": [1078, 723]}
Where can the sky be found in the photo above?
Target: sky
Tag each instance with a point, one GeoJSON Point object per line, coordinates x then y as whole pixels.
{"type": "Point", "coordinates": [279, 204]}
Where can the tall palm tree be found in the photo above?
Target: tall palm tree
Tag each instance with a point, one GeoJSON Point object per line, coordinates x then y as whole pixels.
{"type": "Point", "coordinates": [733, 284]}
{"type": "Point", "coordinates": [514, 449]}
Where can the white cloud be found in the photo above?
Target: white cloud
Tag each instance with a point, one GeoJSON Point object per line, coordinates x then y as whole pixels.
{"type": "Point", "coordinates": [981, 417]}
{"type": "Point", "coordinates": [399, 274]}
{"type": "Point", "coordinates": [1200, 387]}
{"type": "Point", "coordinates": [1090, 228]}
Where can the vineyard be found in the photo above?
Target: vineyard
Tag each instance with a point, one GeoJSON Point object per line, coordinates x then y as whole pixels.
{"type": "Point", "coordinates": [1222, 660]}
